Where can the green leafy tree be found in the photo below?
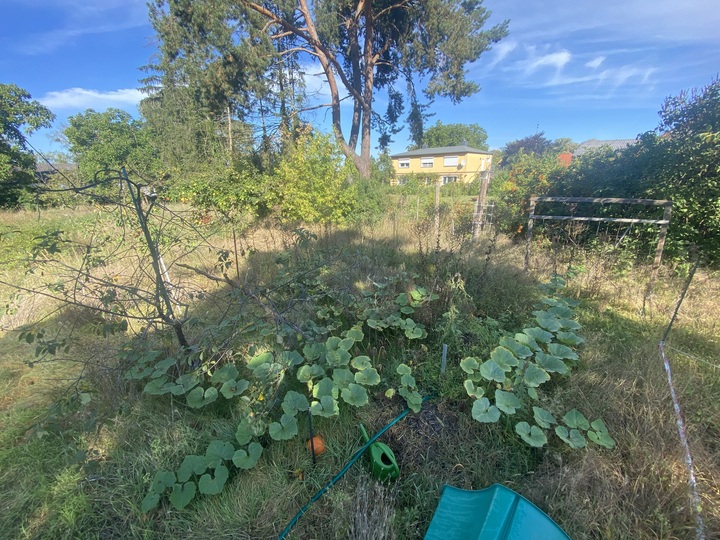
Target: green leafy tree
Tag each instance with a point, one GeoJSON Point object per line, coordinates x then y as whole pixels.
{"type": "Point", "coordinates": [690, 170]}
{"type": "Point", "coordinates": [109, 140]}
{"type": "Point", "coordinates": [187, 135]}
{"type": "Point", "coordinates": [455, 135]}
{"type": "Point", "coordinates": [312, 182]}
{"type": "Point", "coordinates": [533, 144]}
{"type": "Point", "coordinates": [529, 175]}
{"type": "Point", "coordinates": [19, 115]}
{"type": "Point", "coordinates": [679, 162]}
{"type": "Point", "coordinates": [362, 46]}
{"type": "Point", "coordinates": [234, 192]}
{"type": "Point", "coordinates": [220, 57]}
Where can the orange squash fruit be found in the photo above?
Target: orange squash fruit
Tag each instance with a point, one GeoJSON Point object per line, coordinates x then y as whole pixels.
{"type": "Point", "coordinates": [318, 444]}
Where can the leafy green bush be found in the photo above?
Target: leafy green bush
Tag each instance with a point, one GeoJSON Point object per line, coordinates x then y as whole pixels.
{"type": "Point", "coordinates": [520, 365]}
{"type": "Point", "coordinates": [313, 182]}
{"type": "Point", "coordinates": [528, 175]}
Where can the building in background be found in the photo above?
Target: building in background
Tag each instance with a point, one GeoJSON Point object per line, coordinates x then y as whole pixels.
{"type": "Point", "coordinates": [444, 165]}
{"type": "Point", "coordinates": [618, 145]}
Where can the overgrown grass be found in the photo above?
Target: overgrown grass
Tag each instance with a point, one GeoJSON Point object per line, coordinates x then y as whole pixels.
{"type": "Point", "coordinates": [638, 490]}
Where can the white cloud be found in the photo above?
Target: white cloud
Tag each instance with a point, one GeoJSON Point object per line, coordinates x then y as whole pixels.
{"type": "Point", "coordinates": [502, 50]}
{"type": "Point", "coordinates": [81, 98]}
{"type": "Point", "coordinates": [557, 60]}
{"type": "Point", "coordinates": [79, 18]}
{"type": "Point", "coordinates": [611, 78]}
{"type": "Point", "coordinates": [595, 62]}
{"type": "Point", "coordinates": [660, 21]}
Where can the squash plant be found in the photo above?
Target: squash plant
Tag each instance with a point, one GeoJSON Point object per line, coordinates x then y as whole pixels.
{"type": "Point", "coordinates": [329, 370]}
{"type": "Point", "coordinates": [509, 382]}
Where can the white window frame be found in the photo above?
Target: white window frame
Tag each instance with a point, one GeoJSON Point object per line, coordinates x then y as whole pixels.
{"type": "Point", "coordinates": [404, 163]}
{"type": "Point", "coordinates": [451, 161]}
{"type": "Point", "coordinates": [427, 162]}
{"type": "Point", "coordinates": [449, 179]}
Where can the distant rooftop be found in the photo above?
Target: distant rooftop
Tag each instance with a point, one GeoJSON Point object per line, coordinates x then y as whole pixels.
{"type": "Point", "coordinates": [440, 150]}
{"type": "Point", "coordinates": [44, 167]}
{"type": "Point", "coordinates": [594, 144]}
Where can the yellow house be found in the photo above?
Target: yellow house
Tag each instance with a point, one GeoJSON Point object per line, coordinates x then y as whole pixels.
{"type": "Point", "coordinates": [448, 163]}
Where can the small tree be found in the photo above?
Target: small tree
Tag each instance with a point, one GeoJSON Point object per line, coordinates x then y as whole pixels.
{"type": "Point", "coordinates": [312, 182]}
{"type": "Point", "coordinates": [362, 47]}
{"type": "Point", "coordinates": [534, 144]}
{"type": "Point", "coordinates": [455, 135]}
{"type": "Point", "coordinates": [19, 115]}
{"type": "Point", "coordinates": [529, 175]}
{"type": "Point", "coordinates": [106, 140]}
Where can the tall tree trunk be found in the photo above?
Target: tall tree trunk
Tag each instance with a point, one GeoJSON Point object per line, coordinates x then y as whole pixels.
{"type": "Point", "coordinates": [230, 135]}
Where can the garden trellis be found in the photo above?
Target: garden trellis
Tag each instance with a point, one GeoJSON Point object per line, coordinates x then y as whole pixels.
{"type": "Point", "coordinates": [617, 217]}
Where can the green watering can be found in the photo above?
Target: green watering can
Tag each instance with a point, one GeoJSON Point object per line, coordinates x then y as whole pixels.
{"type": "Point", "coordinates": [382, 460]}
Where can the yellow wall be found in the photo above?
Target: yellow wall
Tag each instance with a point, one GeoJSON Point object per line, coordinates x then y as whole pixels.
{"type": "Point", "coordinates": [469, 165]}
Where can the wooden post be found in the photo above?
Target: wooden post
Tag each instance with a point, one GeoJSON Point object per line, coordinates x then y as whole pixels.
{"type": "Point", "coordinates": [230, 137]}
{"type": "Point", "coordinates": [437, 213]}
{"type": "Point", "coordinates": [528, 236]}
{"type": "Point", "coordinates": [479, 222]}
{"type": "Point", "coordinates": [661, 242]}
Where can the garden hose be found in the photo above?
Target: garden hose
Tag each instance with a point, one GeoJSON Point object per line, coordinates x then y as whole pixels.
{"type": "Point", "coordinates": [345, 469]}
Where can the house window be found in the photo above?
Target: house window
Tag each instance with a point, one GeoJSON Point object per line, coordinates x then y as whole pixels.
{"type": "Point", "coordinates": [426, 162]}
{"type": "Point", "coordinates": [404, 163]}
{"type": "Point", "coordinates": [450, 161]}
{"type": "Point", "coordinates": [449, 179]}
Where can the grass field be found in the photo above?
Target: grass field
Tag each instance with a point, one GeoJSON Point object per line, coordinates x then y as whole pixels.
{"type": "Point", "coordinates": [72, 468]}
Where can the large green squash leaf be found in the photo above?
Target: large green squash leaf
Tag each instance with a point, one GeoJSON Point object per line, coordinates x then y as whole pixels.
{"type": "Point", "coordinates": [233, 388]}
{"type": "Point", "coordinates": [367, 377]}
{"type": "Point", "coordinates": [294, 402]}
{"type": "Point", "coordinates": [544, 418]}
{"type": "Point", "coordinates": [213, 484]}
{"type": "Point", "coordinates": [534, 376]}
{"type": "Point", "coordinates": [150, 501]}
{"type": "Point", "coordinates": [200, 397]}
{"type": "Point", "coordinates": [492, 372]}
{"type": "Point", "coordinates": [326, 407]}
{"type": "Point", "coordinates": [507, 402]}
{"type": "Point", "coordinates": [226, 373]}
{"type": "Point", "coordinates": [182, 494]}
{"type": "Point", "coordinates": [562, 351]}
{"type": "Point", "coordinates": [548, 321]}
{"type": "Point", "coordinates": [532, 435]}
{"type": "Point", "coordinates": [217, 452]}
{"type": "Point", "coordinates": [551, 363]}
{"type": "Point", "coordinates": [309, 372]}
{"type": "Point", "coordinates": [247, 459]}
{"type": "Point", "coordinates": [518, 349]}
{"type": "Point", "coordinates": [191, 465]}
{"type": "Point", "coordinates": [355, 395]}
{"type": "Point", "coordinates": [599, 434]}
{"type": "Point", "coordinates": [469, 365]}
{"type": "Point", "coordinates": [573, 437]}
{"type": "Point", "coordinates": [162, 481]}
{"type": "Point", "coordinates": [472, 390]}
{"type": "Point", "coordinates": [570, 338]}
{"type": "Point", "coordinates": [576, 419]}
{"type": "Point", "coordinates": [504, 358]}
{"type": "Point", "coordinates": [482, 411]}
{"type": "Point", "coordinates": [361, 362]}
{"type": "Point", "coordinates": [538, 334]}
{"type": "Point", "coordinates": [284, 430]}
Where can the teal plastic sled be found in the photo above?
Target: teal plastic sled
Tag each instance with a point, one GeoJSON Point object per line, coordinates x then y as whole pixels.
{"type": "Point", "coordinates": [494, 513]}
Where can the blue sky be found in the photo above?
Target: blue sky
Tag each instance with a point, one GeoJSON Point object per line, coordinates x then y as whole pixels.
{"type": "Point", "coordinates": [570, 68]}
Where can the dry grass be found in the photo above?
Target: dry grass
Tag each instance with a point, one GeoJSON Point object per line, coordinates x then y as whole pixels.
{"type": "Point", "coordinates": [638, 490]}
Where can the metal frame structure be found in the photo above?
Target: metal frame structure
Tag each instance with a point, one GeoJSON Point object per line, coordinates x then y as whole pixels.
{"type": "Point", "coordinates": [664, 223]}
